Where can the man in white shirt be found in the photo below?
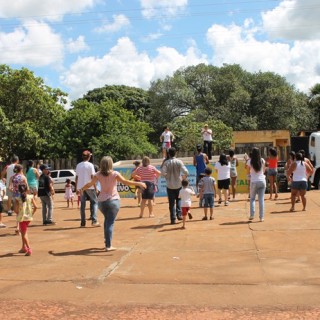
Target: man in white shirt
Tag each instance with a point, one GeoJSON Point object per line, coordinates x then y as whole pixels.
{"type": "Point", "coordinates": [84, 173]}
{"type": "Point", "coordinates": [207, 141]}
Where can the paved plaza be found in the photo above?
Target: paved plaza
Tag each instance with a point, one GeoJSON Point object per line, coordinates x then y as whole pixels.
{"type": "Point", "coordinates": [226, 268]}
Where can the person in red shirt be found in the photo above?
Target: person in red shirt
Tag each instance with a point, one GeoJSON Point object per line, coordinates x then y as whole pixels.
{"type": "Point", "coordinates": [272, 163]}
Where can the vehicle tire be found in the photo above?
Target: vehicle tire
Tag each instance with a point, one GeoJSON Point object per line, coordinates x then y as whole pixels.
{"type": "Point", "coordinates": [316, 180]}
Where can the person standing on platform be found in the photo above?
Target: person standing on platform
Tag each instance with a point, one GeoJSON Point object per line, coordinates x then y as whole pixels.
{"type": "Point", "coordinates": [207, 141]}
{"type": "Point", "coordinates": [166, 138]}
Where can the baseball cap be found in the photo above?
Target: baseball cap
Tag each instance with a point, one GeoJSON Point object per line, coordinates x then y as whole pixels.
{"type": "Point", "coordinates": [44, 167]}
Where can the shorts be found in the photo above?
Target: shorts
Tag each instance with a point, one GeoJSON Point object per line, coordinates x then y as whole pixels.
{"type": "Point", "coordinates": [1, 207]}
{"type": "Point", "coordinates": [208, 200]}
{"type": "Point", "coordinates": [23, 226]}
{"type": "Point", "coordinates": [272, 172]}
{"type": "Point", "coordinates": [185, 210]}
{"type": "Point", "coordinates": [299, 185]}
{"type": "Point", "coordinates": [148, 192]}
{"type": "Point", "coordinates": [33, 189]}
{"type": "Point", "coordinates": [233, 173]}
{"type": "Point", "coordinates": [224, 184]}
{"type": "Point", "coordinates": [166, 145]}
{"type": "Point", "coordinates": [9, 193]}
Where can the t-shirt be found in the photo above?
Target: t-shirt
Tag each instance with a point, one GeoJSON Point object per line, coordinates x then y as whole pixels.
{"type": "Point", "coordinates": [109, 190]}
{"type": "Point", "coordinates": [44, 186]}
{"type": "Point", "coordinates": [200, 163]}
{"type": "Point", "coordinates": [166, 136]}
{"type": "Point", "coordinates": [10, 173]}
{"type": "Point", "coordinates": [207, 184]}
{"type": "Point", "coordinates": [185, 196]}
{"type": "Point", "coordinates": [147, 173]}
{"type": "Point", "coordinates": [85, 172]}
{"type": "Point", "coordinates": [207, 135]}
{"type": "Point", "coordinates": [25, 209]}
{"type": "Point", "coordinates": [2, 189]}
{"type": "Point", "coordinates": [223, 171]}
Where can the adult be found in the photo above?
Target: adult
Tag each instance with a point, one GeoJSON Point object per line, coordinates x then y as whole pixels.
{"type": "Point", "coordinates": [84, 173]}
{"type": "Point", "coordinates": [233, 172]}
{"type": "Point", "coordinates": [32, 175]}
{"type": "Point", "coordinates": [223, 169]}
{"type": "Point", "coordinates": [109, 199]}
{"type": "Point", "coordinates": [166, 138]}
{"type": "Point", "coordinates": [310, 164]}
{"type": "Point", "coordinates": [300, 170]}
{"type": "Point", "coordinates": [207, 140]}
{"type": "Point", "coordinates": [7, 173]}
{"type": "Point", "coordinates": [147, 174]}
{"type": "Point", "coordinates": [17, 179]}
{"type": "Point", "coordinates": [256, 168]}
{"type": "Point", "coordinates": [200, 161]}
{"type": "Point", "coordinates": [45, 193]}
{"type": "Point", "coordinates": [272, 164]}
{"type": "Point", "coordinates": [173, 170]}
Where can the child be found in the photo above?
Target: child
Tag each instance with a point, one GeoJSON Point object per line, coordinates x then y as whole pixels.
{"type": "Point", "coordinates": [137, 193]}
{"type": "Point", "coordinates": [68, 194]}
{"type": "Point", "coordinates": [185, 196]}
{"type": "Point", "coordinates": [27, 208]}
{"type": "Point", "coordinates": [2, 193]}
{"type": "Point", "coordinates": [201, 175]}
{"type": "Point", "coordinates": [208, 192]}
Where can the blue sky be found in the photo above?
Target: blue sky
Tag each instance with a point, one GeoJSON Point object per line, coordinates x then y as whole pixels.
{"type": "Point", "coordinates": [78, 45]}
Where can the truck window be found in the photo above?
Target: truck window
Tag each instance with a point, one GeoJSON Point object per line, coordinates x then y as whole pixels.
{"type": "Point", "coordinates": [313, 142]}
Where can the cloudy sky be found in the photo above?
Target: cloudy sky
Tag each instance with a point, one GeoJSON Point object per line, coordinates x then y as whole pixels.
{"type": "Point", "coordinates": [78, 45]}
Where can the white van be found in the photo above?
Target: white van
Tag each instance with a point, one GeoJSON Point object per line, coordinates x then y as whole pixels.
{"type": "Point", "coordinates": [314, 152]}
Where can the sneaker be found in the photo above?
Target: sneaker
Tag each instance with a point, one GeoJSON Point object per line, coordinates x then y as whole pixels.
{"type": "Point", "coordinates": [2, 225]}
{"type": "Point", "coordinates": [10, 213]}
{"type": "Point", "coordinates": [219, 201]}
{"type": "Point", "coordinates": [95, 224]}
{"type": "Point", "coordinates": [226, 203]}
{"type": "Point", "coordinates": [83, 224]}
{"type": "Point", "coordinates": [205, 218]}
{"type": "Point", "coordinates": [50, 222]}
{"type": "Point", "coordinates": [261, 219]}
{"type": "Point", "coordinates": [190, 215]}
{"type": "Point", "coordinates": [111, 249]}
{"type": "Point", "coordinates": [179, 217]}
{"type": "Point", "coordinates": [251, 218]}
{"type": "Point", "coordinates": [28, 252]}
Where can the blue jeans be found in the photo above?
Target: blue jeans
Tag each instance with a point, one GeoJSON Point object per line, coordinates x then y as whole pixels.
{"type": "Point", "coordinates": [174, 203]}
{"type": "Point", "coordinates": [259, 188]}
{"type": "Point", "coordinates": [109, 209]}
{"type": "Point", "coordinates": [93, 205]}
{"type": "Point", "coordinates": [47, 208]}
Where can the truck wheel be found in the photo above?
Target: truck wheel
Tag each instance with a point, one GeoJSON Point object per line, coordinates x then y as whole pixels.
{"type": "Point", "coordinates": [316, 180]}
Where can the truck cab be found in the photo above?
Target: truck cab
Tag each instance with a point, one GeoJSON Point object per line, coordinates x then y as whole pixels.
{"type": "Point", "coordinates": [314, 152]}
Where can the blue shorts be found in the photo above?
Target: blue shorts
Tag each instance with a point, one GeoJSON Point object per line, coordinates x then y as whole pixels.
{"type": "Point", "coordinates": [208, 200]}
{"type": "Point", "coordinates": [272, 172]}
{"type": "Point", "coordinates": [299, 185]}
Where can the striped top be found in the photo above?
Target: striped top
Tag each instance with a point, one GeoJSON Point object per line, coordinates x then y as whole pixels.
{"type": "Point", "coordinates": [148, 173]}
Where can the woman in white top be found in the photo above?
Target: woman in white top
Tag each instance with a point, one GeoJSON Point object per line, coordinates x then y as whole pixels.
{"type": "Point", "coordinates": [223, 169]}
{"type": "Point", "coordinates": [299, 184]}
{"type": "Point", "coordinates": [166, 138]}
{"type": "Point", "coordinates": [256, 168]}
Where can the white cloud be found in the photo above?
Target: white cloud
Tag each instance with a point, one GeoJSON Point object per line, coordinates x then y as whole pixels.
{"type": "Point", "coordinates": [77, 45]}
{"type": "Point", "coordinates": [42, 9]}
{"type": "Point", "coordinates": [297, 62]}
{"type": "Point", "coordinates": [119, 21]}
{"type": "Point", "coordinates": [124, 65]}
{"type": "Point", "coordinates": [293, 20]}
{"type": "Point", "coordinates": [169, 8]}
{"type": "Point", "coordinates": [34, 44]}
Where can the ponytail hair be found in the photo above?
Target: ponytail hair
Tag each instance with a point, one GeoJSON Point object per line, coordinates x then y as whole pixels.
{"type": "Point", "coordinates": [23, 191]}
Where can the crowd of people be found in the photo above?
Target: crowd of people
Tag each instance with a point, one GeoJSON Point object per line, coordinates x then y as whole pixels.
{"type": "Point", "coordinates": [99, 186]}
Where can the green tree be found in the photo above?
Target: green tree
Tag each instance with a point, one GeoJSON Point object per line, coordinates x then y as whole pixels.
{"type": "Point", "coordinates": [314, 103]}
{"type": "Point", "coordinates": [188, 132]}
{"type": "Point", "coordinates": [31, 115]}
{"type": "Point", "coordinates": [133, 99]}
{"type": "Point", "coordinates": [107, 129]}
